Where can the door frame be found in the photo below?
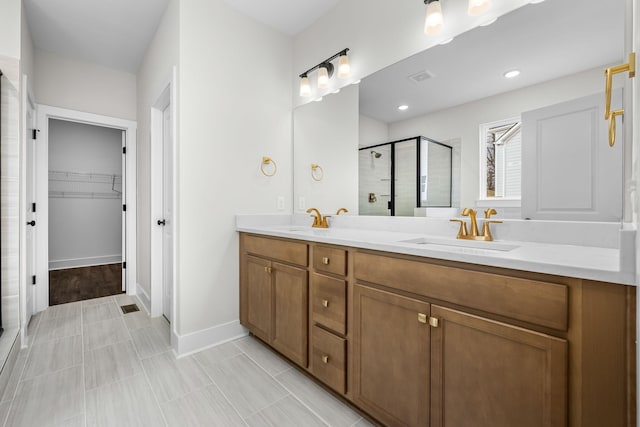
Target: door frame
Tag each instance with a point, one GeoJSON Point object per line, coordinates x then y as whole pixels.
{"type": "Point", "coordinates": [27, 100]}
{"type": "Point", "coordinates": [44, 113]}
{"type": "Point", "coordinates": [166, 97]}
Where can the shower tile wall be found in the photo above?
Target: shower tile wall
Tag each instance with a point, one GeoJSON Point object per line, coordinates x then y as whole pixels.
{"type": "Point", "coordinates": [374, 175]}
{"type": "Point", "coordinates": [9, 202]}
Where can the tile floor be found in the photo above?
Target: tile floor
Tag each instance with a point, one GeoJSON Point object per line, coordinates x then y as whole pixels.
{"type": "Point", "coordinates": [91, 365]}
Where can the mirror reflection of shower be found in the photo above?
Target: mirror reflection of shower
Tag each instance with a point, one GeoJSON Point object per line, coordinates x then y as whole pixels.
{"type": "Point", "coordinates": [374, 155]}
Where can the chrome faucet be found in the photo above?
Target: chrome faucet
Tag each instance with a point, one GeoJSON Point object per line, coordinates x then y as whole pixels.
{"type": "Point", "coordinates": [473, 234]}
{"type": "Point", "coordinates": [319, 221]}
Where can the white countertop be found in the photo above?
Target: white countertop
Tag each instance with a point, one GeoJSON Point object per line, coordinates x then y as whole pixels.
{"type": "Point", "coordinates": [436, 239]}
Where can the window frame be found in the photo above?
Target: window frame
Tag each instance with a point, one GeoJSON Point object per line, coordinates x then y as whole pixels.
{"type": "Point", "coordinates": [483, 200]}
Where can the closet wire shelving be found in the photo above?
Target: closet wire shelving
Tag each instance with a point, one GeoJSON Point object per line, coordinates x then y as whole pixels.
{"type": "Point", "coordinates": [84, 185]}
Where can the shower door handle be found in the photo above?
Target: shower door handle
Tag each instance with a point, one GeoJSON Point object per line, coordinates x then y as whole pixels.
{"type": "Point", "coordinates": [31, 223]}
{"type": "Point", "coordinates": [162, 222]}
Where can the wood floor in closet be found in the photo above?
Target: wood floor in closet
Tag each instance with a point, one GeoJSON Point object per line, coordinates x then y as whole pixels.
{"type": "Point", "coordinates": [79, 284]}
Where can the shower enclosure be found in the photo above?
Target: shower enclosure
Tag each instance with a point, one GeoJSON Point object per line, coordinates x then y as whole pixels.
{"type": "Point", "coordinates": [397, 177]}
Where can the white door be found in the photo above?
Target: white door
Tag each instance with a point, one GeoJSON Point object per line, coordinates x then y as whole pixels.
{"type": "Point", "coordinates": [167, 213]}
{"type": "Point", "coordinates": [569, 172]}
{"type": "Point", "coordinates": [124, 212]}
{"type": "Point", "coordinates": [30, 210]}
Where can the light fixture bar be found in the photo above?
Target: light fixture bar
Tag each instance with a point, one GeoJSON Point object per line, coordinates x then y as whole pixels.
{"type": "Point", "coordinates": [331, 58]}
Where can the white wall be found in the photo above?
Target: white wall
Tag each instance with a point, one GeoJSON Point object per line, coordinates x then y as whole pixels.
{"type": "Point", "coordinates": [463, 121]}
{"type": "Point", "coordinates": [84, 231]}
{"type": "Point", "coordinates": [326, 134]}
{"type": "Point", "coordinates": [27, 49]}
{"type": "Point", "coordinates": [77, 85]}
{"type": "Point", "coordinates": [153, 76]}
{"type": "Point", "coordinates": [235, 107]}
{"type": "Point", "coordinates": [372, 131]}
{"type": "Point", "coordinates": [10, 20]}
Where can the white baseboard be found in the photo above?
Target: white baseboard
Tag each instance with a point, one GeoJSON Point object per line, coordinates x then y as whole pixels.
{"type": "Point", "coordinates": [184, 345]}
{"type": "Point", "coordinates": [143, 297]}
{"type": "Point", "coordinates": [84, 262]}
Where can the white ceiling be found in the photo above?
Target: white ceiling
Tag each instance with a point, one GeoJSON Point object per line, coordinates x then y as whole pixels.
{"type": "Point", "coordinates": [287, 16]}
{"type": "Point", "coordinates": [116, 33]}
{"type": "Point", "coordinates": [545, 41]}
{"type": "Point", "coordinates": [112, 33]}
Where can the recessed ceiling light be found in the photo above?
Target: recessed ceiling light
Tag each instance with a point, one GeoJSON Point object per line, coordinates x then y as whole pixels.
{"type": "Point", "coordinates": [512, 73]}
{"type": "Point", "coordinates": [403, 107]}
{"type": "Point", "coordinates": [536, 1]}
{"type": "Point", "coordinates": [489, 22]}
{"type": "Point", "coordinates": [447, 41]}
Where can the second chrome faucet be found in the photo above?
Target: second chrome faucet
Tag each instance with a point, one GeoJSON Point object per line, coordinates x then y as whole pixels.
{"type": "Point", "coordinates": [473, 234]}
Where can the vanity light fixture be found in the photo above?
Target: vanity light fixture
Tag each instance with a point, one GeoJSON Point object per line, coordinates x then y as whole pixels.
{"type": "Point", "coordinates": [434, 21]}
{"type": "Point", "coordinates": [512, 73]}
{"type": "Point", "coordinates": [305, 87]}
{"type": "Point", "coordinates": [325, 72]}
{"type": "Point", "coordinates": [403, 107]}
{"type": "Point", "coordinates": [478, 7]}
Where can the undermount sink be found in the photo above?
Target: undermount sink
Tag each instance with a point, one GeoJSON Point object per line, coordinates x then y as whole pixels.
{"type": "Point", "coordinates": [474, 244]}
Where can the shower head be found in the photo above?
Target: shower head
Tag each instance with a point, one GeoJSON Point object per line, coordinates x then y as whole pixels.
{"type": "Point", "coordinates": [376, 154]}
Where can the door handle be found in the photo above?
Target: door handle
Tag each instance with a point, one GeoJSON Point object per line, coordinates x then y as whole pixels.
{"type": "Point", "coordinates": [162, 222]}
{"type": "Point", "coordinates": [32, 223]}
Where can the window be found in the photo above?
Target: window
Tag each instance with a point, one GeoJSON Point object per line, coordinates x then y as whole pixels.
{"type": "Point", "coordinates": [500, 160]}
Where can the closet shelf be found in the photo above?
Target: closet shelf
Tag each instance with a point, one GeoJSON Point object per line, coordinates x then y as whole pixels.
{"type": "Point", "coordinates": [84, 185]}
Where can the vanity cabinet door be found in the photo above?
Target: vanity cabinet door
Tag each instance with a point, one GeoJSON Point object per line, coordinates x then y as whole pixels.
{"type": "Point", "coordinates": [391, 357]}
{"type": "Point", "coordinates": [290, 315]}
{"type": "Point", "coordinates": [487, 373]}
{"type": "Point", "coordinates": [258, 297]}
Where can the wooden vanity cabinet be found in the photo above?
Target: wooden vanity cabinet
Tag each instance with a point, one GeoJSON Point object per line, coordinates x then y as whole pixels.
{"type": "Point", "coordinates": [423, 342]}
{"type": "Point", "coordinates": [328, 316]}
{"type": "Point", "coordinates": [274, 295]}
{"type": "Point", "coordinates": [495, 374]}
{"type": "Point", "coordinates": [391, 346]}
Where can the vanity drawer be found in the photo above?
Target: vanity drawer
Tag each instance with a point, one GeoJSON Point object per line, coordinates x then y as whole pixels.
{"type": "Point", "coordinates": [287, 251]}
{"type": "Point", "coordinates": [328, 359]}
{"type": "Point", "coordinates": [328, 302]}
{"type": "Point", "coordinates": [531, 301]}
{"type": "Point", "coordinates": [330, 260]}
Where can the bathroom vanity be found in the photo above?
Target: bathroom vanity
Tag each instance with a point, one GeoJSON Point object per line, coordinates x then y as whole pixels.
{"type": "Point", "coordinates": [428, 340]}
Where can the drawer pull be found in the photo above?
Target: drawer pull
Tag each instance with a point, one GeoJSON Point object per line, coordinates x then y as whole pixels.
{"type": "Point", "coordinates": [325, 260]}
{"type": "Point", "coordinates": [422, 318]}
{"type": "Point", "coordinates": [325, 359]}
{"type": "Point", "coordinates": [267, 270]}
{"type": "Point", "coordinates": [325, 303]}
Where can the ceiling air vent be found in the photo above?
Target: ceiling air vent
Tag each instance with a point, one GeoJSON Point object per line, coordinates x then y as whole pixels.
{"type": "Point", "coordinates": [420, 76]}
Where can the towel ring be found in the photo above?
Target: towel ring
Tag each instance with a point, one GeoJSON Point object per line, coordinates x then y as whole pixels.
{"type": "Point", "coordinates": [317, 176]}
{"type": "Point", "coordinates": [266, 161]}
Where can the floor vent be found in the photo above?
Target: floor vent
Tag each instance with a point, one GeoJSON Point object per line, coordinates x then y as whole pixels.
{"type": "Point", "coordinates": [131, 308]}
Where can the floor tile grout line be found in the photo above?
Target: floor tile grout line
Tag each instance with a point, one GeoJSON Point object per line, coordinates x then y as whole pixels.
{"type": "Point", "coordinates": [300, 400]}
{"type": "Point", "coordinates": [226, 398]}
{"type": "Point", "coordinates": [268, 406]}
{"type": "Point", "coordinates": [144, 372]}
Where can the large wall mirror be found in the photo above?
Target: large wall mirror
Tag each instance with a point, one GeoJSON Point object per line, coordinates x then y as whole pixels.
{"type": "Point", "coordinates": [457, 94]}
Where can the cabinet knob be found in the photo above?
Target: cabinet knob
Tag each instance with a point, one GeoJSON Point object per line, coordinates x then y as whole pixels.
{"type": "Point", "coordinates": [325, 260]}
{"type": "Point", "coordinates": [434, 322]}
{"type": "Point", "coordinates": [267, 270]}
{"type": "Point", "coordinates": [325, 303]}
{"type": "Point", "coordinates": [325, 359]}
